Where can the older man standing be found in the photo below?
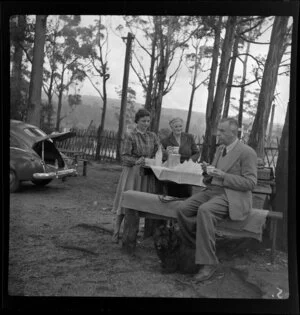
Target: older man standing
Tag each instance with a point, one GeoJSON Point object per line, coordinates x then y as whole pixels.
{"type": "Point", "coordinates": [228, 193]}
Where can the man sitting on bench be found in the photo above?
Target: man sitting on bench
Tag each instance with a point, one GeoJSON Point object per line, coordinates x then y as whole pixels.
{"type": "Point", "coordinates": [228, 193]}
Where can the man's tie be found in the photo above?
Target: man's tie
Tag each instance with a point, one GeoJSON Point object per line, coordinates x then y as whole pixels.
{"type": "Point", "coordinates": [224, 151]}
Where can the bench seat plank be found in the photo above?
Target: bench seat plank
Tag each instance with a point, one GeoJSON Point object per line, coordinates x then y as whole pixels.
{"type": "Point", "coordinates": [155, 207]}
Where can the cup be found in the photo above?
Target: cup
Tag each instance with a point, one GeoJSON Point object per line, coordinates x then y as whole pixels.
{"type": "Point", "coordinates": [173, 160]}
{"type": "Point", "coordinates": [209, 168]}
{"type": "Point", "coordinates": [175, 150]}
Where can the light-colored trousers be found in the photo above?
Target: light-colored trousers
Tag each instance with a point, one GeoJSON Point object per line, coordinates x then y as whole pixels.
{"type": "Point", "coordinates": [197, 219]}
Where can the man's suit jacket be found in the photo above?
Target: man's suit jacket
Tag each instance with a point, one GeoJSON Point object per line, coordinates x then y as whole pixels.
{"type": "Point", "coordinates": [240, 179]}
{"type": "Point", "coordinates": [188, 148]}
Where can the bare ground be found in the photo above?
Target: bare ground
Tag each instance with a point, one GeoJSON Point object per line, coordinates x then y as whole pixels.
{"type": "Point", "coordinates": [60, 245]}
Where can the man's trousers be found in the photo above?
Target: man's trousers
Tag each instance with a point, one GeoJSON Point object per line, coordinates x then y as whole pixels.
{"type": "Point", "coordinates": [197, 219]}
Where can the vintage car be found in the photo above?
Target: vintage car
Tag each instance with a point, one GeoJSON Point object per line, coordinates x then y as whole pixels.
{"type": "Point", "coordinates": [34, 156]}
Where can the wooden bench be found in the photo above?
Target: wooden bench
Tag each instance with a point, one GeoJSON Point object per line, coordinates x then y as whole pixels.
{"type": "Point", "coordinates": [76, 156]}
{"type": "Point", "coordinates": [148, 205]}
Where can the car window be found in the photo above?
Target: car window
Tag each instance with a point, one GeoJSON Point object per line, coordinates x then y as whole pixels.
{"type": "Point", "coordinates": [34, 132]}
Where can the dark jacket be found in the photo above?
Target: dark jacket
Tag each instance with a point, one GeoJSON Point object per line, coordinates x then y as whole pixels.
{"type": "Point", "coordinates": [188, 148]}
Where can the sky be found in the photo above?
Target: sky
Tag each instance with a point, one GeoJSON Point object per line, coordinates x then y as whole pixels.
{"type": "Point", "coordinates": [179, 96]}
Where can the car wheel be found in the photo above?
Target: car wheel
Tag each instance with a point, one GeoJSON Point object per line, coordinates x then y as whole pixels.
{"type": "Point", "coordinates": [13, 181]}
{"type": "Point", "coordinates": [41, 182]}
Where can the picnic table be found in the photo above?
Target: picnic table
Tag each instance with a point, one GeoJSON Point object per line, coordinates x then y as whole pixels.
{"type": "Point", "coordinates": [149, 207]}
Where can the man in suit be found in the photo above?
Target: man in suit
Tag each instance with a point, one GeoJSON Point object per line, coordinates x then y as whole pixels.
{"type": "Point", "coordinates": [227, 194]}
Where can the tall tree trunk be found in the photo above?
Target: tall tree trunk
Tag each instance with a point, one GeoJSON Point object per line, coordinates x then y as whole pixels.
{"type": "Point", "coordinates": [188, 121]}
{"type": "Point", "coordinates": [221, 84]}
{"type": "Point", "coordinates": [271, 126]}
{"type": "Point", "coordinates": [211, 91]}
{"type": "Point", "coordinates": [101, 126]}
{"type": "Point", "coordinates": [161, 78]}
{"type": "Point", "coordinates": [223, 72]}
{"type": "Point", "coordinates": [124, 94]}
{"type": "Point", "coordinates": [156, 106]}
{"type": "Point", "coordinates": [36, 79]}
{"type": "Point", "coordinates": [281, 201]}
{"type": "Point", "coordinates": [17, 75]}
{"type": "Point", "coordinates": [242, 94]}
{"type": "Point", "coordinates": [230, 76]}
{"type": "Point", "coordinates": [59, 103]}
{"type": "Point", "coordinates": [151, 74]}
{"type": "Point", "coordinates": [269, 80]}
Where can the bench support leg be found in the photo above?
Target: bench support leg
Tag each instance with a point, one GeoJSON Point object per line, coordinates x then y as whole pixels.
{"type": "Point", "coordinates": [84, 168]}
{"type": "Point", "coordinates": [274, 235]}
{"type": "Point", "coordinates": [130, 230]}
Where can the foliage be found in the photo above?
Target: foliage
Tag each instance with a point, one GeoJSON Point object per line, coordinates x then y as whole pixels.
{"type": "Point", "coordinates": [162, 37]}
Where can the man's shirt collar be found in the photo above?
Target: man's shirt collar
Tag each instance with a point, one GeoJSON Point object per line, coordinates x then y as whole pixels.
{"type": "Point", "coordinates": [231, 146]}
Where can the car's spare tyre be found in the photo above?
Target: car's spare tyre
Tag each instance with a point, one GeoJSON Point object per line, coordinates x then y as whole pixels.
{"type": "Point", "coordinates": [13, 181]}
{"type": "Point", "coordinates": [41, 182]}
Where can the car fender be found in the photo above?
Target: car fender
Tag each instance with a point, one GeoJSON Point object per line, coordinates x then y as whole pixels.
{"type": "Point", "coordinates": [25, 164]}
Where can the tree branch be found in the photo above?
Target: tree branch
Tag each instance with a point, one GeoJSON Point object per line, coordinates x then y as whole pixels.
{"type": "Point", "coordinates": [243, 85]}
{"type": "Point", "coordinates": [142, 68]}
{"type": "Point", "coordinates": [251, 28]}
{"type": "Point", "coordinates": [94, 85]}
{"type": "Point", "coordinates": [138, 76]}
{"type": "Point", "coordinates": [26, 52]}
{"type": "Point", "coordinates": [253, 42]}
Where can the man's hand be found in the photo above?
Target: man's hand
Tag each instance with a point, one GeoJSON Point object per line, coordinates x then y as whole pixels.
{"type": "Point", "coordinates": [217, 173]}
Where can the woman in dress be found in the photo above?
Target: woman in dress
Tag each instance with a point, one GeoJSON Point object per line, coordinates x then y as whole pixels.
{"type": "Point", "coordinates": [187, 150]}
{"type": "Point", "coordinates": [138, 145]}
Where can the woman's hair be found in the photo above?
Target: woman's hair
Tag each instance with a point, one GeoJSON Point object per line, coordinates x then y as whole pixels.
{"type": "Point", "coordinates": [173, 120]}
{"type": "Point", "coordinates": [140, 114]}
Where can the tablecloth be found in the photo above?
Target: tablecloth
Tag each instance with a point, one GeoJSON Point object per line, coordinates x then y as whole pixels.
{"type": "Point", "coordinates": [179, 176]}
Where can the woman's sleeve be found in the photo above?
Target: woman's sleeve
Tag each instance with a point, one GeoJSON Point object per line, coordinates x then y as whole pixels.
{"type": "Point", "coordinates": [194, 149]}
{"type": "Point", "coordinates": [127, 158]}
{"type": "Point", "coordinates": [164, 144]}
{"type": "Point", "coordinates": [156, 143]}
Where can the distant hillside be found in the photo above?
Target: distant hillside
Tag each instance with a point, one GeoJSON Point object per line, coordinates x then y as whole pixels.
{"type": "Point", "coordinates": [91, 109]}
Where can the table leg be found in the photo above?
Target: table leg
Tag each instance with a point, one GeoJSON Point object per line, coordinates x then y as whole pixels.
{"type": "Point", "coordinates": [130, 230]}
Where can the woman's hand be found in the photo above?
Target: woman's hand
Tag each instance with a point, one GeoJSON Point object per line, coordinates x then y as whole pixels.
{"type": "Point", "coordinates": [169, 150]}
{"type": "Point", "coordinates": [140, 161]}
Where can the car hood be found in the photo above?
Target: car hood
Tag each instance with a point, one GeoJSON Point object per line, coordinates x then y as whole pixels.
{"type": "Point", "coordinates": [59, 136]}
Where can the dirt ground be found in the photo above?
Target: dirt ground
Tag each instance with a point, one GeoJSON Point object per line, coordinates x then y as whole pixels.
{"type": "Point", "coordinates": [60, 245]}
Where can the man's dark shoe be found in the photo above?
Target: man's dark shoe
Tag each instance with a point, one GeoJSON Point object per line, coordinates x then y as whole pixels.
{"type": "Point", "coordinates": [205, 273]}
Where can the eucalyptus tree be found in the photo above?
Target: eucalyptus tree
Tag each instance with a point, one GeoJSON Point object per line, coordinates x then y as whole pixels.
{"type": "Point", "coordinates": [35, 87]}
{"type": "Point", "coordinates": [248, 27]}
{"type": "Point", "coordinates": [64, 62]}
{"type": "Point", "coordinates": [196, 60]}
{"type": "Point", "coordinates": [95, 49]}
{"type": "Point", "coordinates": [280, 40]}
{"type": "Point", "coordinates": [214, 108]}
{"type": "Point", "coordinates": [18, 83]}
{"type": "Point", "coordinates": [164, 41]}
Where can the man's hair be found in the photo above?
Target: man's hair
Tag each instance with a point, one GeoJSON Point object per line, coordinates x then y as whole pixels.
{"type": "Point", "coordinates": [140, 114]}
{"type": "Point", "coordinates": [233, 123]}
